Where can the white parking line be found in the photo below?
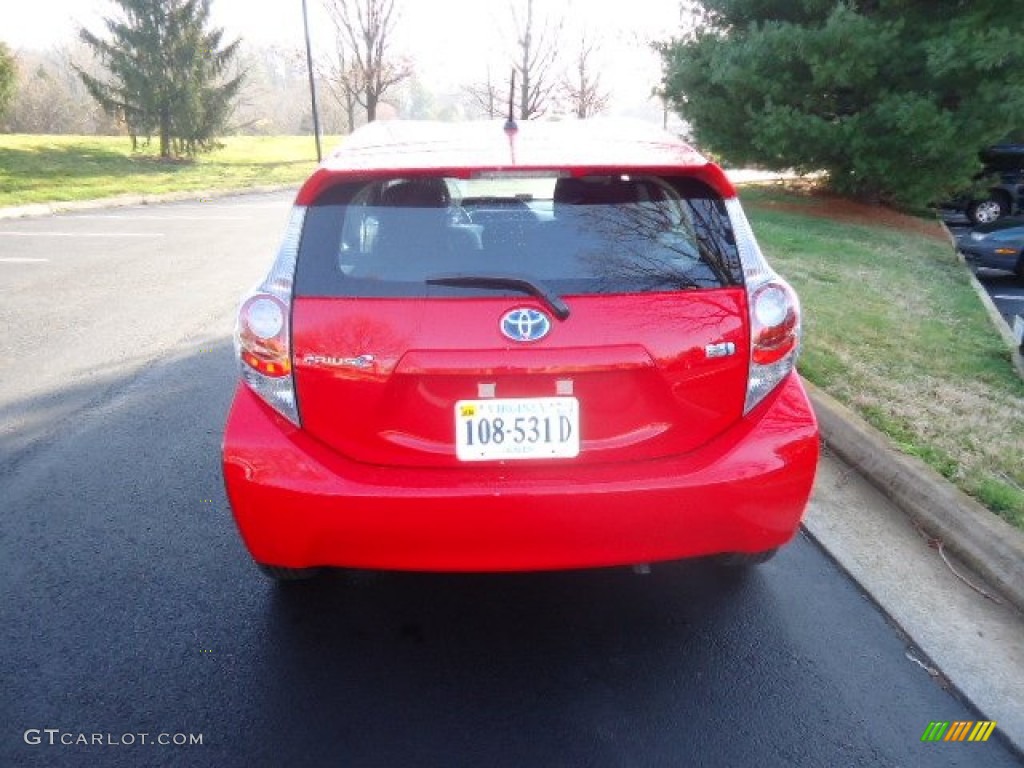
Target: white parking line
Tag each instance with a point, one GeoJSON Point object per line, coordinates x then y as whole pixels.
{"type": "Point", "coordinates": [80, 234]}
{"type": "Point", "coordinates": [160, 218]}
{"type": "Point", "coordinates": [16, 260]}
{"type": "Point", "coordinates": [282, 204]}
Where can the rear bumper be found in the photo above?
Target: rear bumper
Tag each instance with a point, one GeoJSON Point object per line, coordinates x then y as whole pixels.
{"type": "Point", "coordinates": [299, 504]}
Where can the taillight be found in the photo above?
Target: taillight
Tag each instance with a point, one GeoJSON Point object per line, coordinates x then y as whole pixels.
{"type": "Point", "coordinates": [263, 339]}
{"type": "Point", "coordinates": [263, 332]}
{"type": "Point", "coordinates": [775, 323]}
{"type": "Point", "coordinates": [774, 337]}
{"type": "Point", "coordinates": [774, 314]}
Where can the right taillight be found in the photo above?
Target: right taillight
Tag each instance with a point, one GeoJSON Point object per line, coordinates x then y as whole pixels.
{"type": "Point", "coordinates": [774, 314]}
{"type": "Point", "coordinates": [775, 323]}
{"type": "Point", "coordinates": [774, 337]}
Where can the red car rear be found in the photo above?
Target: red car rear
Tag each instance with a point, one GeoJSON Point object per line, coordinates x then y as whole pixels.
{"type": "Point", "coordinates": [557, 347]}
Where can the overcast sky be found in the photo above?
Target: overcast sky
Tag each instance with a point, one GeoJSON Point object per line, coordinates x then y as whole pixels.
{"type": "Point", "coordinates": [446, 38]}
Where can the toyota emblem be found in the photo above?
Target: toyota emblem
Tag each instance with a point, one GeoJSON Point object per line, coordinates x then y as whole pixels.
{"type": "Point", "coordinates": [525, 324]}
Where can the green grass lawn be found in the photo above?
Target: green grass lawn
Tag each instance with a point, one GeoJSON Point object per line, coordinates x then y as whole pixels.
{"type": "Point", "coordinates": [894, 330]}
{"type": "Point", "coordinates": [42, 169]}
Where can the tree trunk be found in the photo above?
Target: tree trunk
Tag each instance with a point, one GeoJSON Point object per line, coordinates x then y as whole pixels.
{"type": "Point", "coordinates": [165, 134]}
{"type": "Point", "coordinates": [526, 73]}
{"type": "Point", "coordinates": [527, 44]}
{"type": "Point", "coordinates": [371, 105]}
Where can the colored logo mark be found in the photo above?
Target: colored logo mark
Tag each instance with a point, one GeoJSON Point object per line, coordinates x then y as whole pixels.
{"type": "Point", "coordinates": [958, 730]}
{"type": "Point", "coordinates": [525, 324]}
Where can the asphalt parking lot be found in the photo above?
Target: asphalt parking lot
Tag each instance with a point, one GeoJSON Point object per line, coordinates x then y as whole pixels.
{"type": "Point", "coordinates": [1007, 292]}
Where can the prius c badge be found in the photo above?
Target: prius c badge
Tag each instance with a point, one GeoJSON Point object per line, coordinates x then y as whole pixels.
{"type": "Point", "coordinates": [525, 324]}
{"type": "Point", "coordinates": [363, 361]}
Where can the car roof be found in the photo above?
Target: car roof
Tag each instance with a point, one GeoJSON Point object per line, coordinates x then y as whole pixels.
{"type": "Point", "coordinates": [463, 149]}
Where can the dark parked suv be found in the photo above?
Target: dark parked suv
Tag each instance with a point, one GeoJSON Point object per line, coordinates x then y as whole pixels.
{"type": "Point", "coordinates": [1004, 173]}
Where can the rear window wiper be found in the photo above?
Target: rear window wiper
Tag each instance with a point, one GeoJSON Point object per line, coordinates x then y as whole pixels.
{"type": "Point", "coordinates": [501, 281]}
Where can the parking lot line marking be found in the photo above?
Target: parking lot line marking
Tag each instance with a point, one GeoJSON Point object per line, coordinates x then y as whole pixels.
{"type": "Point", "coordinates": [233, 206]}
{"type": "Point", "coordinates": [1007, 298]}
{"type": "Point", "coordinates": [160, 218]}
{"type": "Point", "coordinates": [15, 260]}
{"type": "Point", "coordinates": [80, 234]}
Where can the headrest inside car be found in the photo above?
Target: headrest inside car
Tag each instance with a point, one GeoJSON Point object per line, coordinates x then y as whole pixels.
{"type": "Point", "coordinates": [416, 193]}
{"type": "Point", "coordinates": [597, 190]}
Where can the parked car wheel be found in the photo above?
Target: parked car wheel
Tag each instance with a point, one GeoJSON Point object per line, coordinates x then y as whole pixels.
{"type": "Point", "coordinates": [986, 211]}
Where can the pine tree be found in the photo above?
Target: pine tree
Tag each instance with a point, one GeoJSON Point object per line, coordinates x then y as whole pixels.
{"type": "Point", "coordinates": [8, 76]}
{"type": "Point", "coordinates": [893, 98]}
{"type": "Point", "coordinates": [167, 73]}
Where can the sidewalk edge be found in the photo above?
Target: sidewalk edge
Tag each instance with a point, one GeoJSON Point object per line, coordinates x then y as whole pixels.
{"type": "Point", "coordinates": [990, 546]}
{"type": "Point", "coordinates": [34, 210]}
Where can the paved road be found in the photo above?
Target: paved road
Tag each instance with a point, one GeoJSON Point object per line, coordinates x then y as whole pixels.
{"type": "Point", "coordinates": [129, 606]}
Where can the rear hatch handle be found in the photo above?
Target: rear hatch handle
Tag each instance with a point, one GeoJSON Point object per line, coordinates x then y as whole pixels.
{"type": "Point", "coordinates": [498, 282]}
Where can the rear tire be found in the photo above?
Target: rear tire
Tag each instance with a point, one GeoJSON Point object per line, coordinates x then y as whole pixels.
{"type": "Point", "coordinates": [745, 559]}
{"type": "Point", "coordinates": [280, 574]}
{"type": "Point", "coordinates": [988, 210]}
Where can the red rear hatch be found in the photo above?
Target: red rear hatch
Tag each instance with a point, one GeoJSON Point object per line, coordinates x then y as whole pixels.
{"type": "Point", "coordinates": [378, 379]}
{"type": "Point", "coordinates": [401, 290]}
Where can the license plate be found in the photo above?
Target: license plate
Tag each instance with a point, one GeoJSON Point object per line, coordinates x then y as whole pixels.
{"type": "Point", "coordinates": [517, 428]}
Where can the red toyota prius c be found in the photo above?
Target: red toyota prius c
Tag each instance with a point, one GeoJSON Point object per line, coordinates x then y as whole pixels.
{"type": "Point", "coordinates": [552, 346]}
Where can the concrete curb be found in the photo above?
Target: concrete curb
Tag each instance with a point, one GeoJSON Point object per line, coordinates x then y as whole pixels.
{"type": "Point", "coordinates": [991, 547]}
{"type": "Point", "coordinates": [121, 201]}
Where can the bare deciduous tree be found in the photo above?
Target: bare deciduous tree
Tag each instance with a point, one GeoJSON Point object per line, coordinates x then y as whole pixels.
{"type": "Point", "coordinates": [344, 82]}
{"type": "Point", "coordinates": [536, 59]}
{"type": "Point", "coordinates": [364, 29]}
{"type": "Point", "coordinates": [581, 87]}
{"type": "Point", "coordinates": [49, 96]}
{"type": "Point", "coordinates": [485, 97]}
{"type": "Point", "coordinates": [275, 96]}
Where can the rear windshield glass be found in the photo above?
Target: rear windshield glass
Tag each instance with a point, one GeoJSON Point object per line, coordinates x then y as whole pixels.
{"type": "Point", "coordinates": [576, 235]}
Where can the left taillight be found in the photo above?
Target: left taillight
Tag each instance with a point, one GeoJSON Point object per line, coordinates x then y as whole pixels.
{"type": "Point", "coordinates": [263, 338]}
{"type": "Point", "coordinates": [263, 328]}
